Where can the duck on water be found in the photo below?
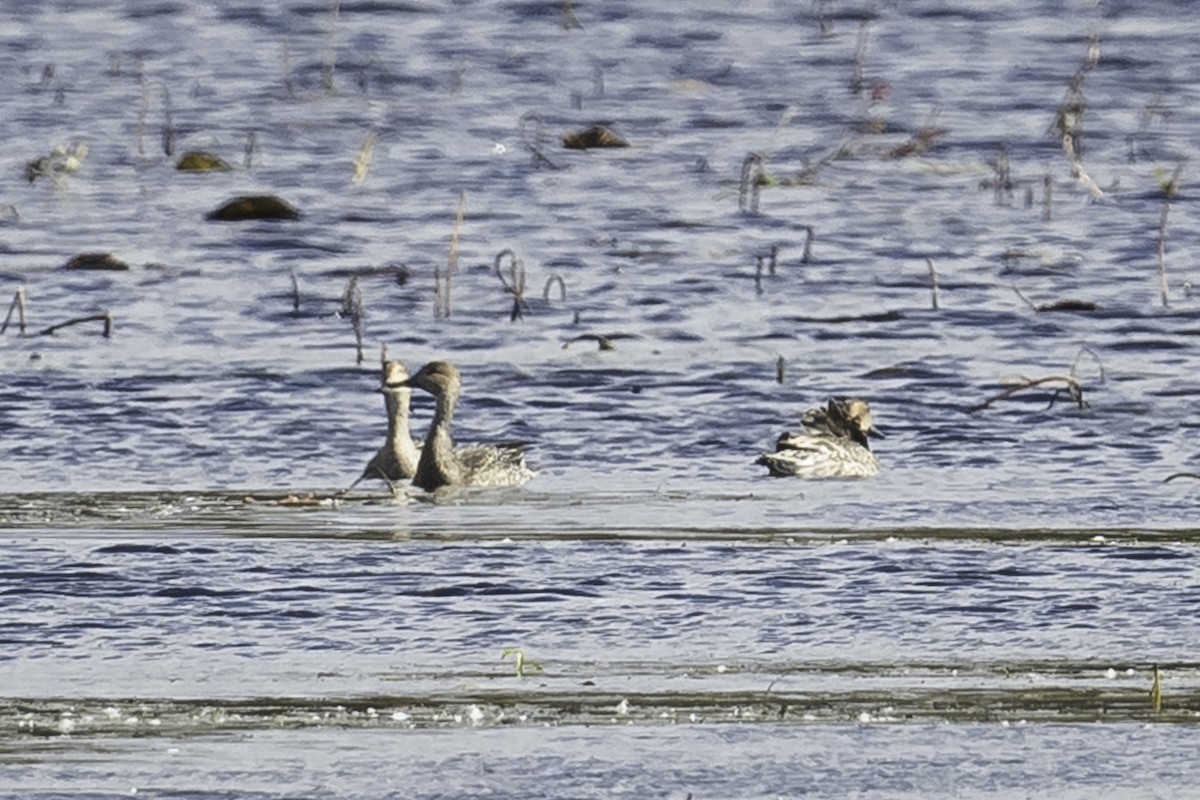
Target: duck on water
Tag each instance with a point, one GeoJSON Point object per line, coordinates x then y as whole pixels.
{"type": "Point", "coordinates": [396, 459]}
{"type": "Point", "coordinates": [443, 464]}
{"type": "Point", "coordinates": [834, 444]}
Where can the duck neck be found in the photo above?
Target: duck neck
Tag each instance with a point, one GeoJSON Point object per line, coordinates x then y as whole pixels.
{"type": "Point", "coordinates": [438, 467]}
{"type": "Point", "coordinates": [398, 436]}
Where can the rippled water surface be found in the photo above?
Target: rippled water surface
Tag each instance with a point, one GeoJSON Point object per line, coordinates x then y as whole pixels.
{"type": "Point", "coordinates": [188, 607]}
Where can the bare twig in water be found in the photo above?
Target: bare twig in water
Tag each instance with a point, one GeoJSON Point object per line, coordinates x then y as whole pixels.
{"type": "Point", "coordinates": [295, 293]}
{"type": "Point", "coordinates": [1170, 188]}
{"type": "Point", "coordinates": [758, 275]}
{"type": "Point", "coordinates": [352, 306]}
{"type": "Point", "coordinates": [1070, 381]}
{"type": "Point", "coordinates": [780, 369]}
{"type": "Point", "coordinates": [514, 286]}
{"type": "Point", "coordinates": [933, 282]}
{"type": "Point", "coordinates": [1173, 476]}
{"type": "Point", "coordinates": [1047, 197]}
{"type": "Point", "coordinates": [1070, 384]}
{"type": "Point", "coordinates": [18, 305]}
{"type": "Point", "coordinates": [105, 317]}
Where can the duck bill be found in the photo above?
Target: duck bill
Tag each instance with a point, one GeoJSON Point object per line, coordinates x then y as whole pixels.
{"type": "Point", "coordinates": [875, 433]}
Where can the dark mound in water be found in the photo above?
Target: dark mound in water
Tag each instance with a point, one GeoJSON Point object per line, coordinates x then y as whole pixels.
{"type": "Point", "coordinates": [258, 206]}
{"type": "Point", "coordinates": [200, 161]}
{"type": "Point", "coordinates": [96, 261]}
{"type": "Point", "coordinates": [595, 136]}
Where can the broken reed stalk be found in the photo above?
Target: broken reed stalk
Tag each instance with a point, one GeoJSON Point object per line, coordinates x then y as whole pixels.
{"type": "Point", "coordinates": [857, 81]}
{"type": "Point", "coordinates": [352, 306]}
{"type": "Point", "coordinates": [1069, 116]}
{"type": "Point", "coordinates": [533, 137]}
{"type": "Point", "coordinates": [168, 131]}
{"type": "Point", "coordinates": [809, 236]}
{"type": "Point", "coordinates": [515, 286]}
{"type": "Point", "coordinates": [442, 290]}
{"type": "Point", "coordinates": [562, 288]}
{"type": "Point", "coordinates": [1047, 197]}
{"type": "Point", "coordinates": [250, 149]}
{"type": "Point", "coordinates": [751, 183]}
{"type": "Point", "coordinates": [1074, 372]}
{"type": "Point", "coordinates": [1162, 252]}
{"type": "Point", "coordinates": [773, 260]}
{"type": "Point", "coordinates": [758, 275]}
{"type": "Point", "coordinates": [780, 369]}
{"type": "Point", "coordinates": [295, 293]}
{"type": "Point", "coordinates": [933, 282]}
{"type": "Point", "coordinates": [143, 112]}
{"type": "Point", "coordinates": [1002, 185]}
{"type": "Point", "coordinates": [1156, 694]}
{"type": "Point", "coordinates": [18, 305]}
{"type": "Point", "coordinates": [105, 317]}
{"type": "Point", "coordinates": [362, 161]}
{"type": "Point", "coordinates": [438, 291]}
{"type": "Point", "coordinates": [329, 66]}
{"type": "Point", "coordinates": [1169, 188]}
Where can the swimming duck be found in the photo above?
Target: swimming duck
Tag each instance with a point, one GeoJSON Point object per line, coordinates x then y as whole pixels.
{"type": "Point", "coordinates": [396, 459]}
{"type": "Point", "coordinates": [833, 445]}
{"type": "Point", "coordinates": [443, 464]}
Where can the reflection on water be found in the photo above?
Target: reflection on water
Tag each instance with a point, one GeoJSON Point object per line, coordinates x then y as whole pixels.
{"type": "Point", "coordinates": [1023, 561]}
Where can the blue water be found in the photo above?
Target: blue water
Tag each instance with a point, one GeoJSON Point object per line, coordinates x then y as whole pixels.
{"type": "Point", "coordinates": [1027, 558]}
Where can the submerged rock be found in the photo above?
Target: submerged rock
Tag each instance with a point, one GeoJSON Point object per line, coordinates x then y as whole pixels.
{"type": "Point", "coordinates": [200, 161]}
{"type": "Point", "coordinates": [96, 261]}
{"type": "Point", "coordinates": [595, 136]}
{"type": "Point", "coordinates": [257, 206]}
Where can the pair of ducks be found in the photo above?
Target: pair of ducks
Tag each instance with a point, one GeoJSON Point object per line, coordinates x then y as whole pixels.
{"type": "Point", "coordinates": [437, 462]}
{"type": "Point", "coordinates": [835, 442]}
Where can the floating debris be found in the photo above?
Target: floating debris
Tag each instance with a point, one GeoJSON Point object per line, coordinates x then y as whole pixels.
{"type": "Point", "coordinates": [201, 161]}
{"type": "Point", "coordinates": [63, 160]}
{"type": "Point", "coordinates": [257, 206]}
{"type": "Point", "coordinates": [96, 261]}
{"type": "Point", "coordinates": [595, 136]}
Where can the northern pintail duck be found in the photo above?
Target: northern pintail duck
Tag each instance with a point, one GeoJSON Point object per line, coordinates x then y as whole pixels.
{"type": "Point", "coordinates": [833, 445]}
{"type": "Point", "coordinates": [396, 459]}
{"type": "Point", "coordinates": [443, 464]}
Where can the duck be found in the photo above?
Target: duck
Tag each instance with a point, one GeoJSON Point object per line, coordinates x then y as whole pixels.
{"type": "Point", "coordinates": [396, 460]}
{"type": "Point", "coordinates": [834, 444]}
{"type": "Point", "coordinates": [441, 463]}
